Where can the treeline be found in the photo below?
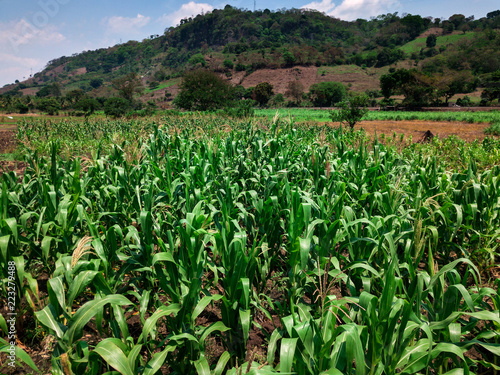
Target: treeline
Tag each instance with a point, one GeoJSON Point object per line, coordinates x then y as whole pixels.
{"type": "Point", "coordinates": [51, 100]}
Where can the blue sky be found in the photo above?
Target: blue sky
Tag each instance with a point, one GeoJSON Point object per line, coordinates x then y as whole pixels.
{"type": "Point", "coordinates": [35, 32]}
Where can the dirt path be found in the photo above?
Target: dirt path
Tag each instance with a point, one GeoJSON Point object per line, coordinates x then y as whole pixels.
{"type": "Point", "coordinates": [8, 143]}
{"type": "Point", "coordinates": [416, 129]}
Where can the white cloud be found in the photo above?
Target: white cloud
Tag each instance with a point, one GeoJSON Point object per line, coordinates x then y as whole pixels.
{"type": "Point", "coordinates": [13, 67]}
{"type": "Point", "coordinates": [353, 9]}
{"type": "Point", "coordinates": [120, 25]}
{"type": "Point", "coordinates": [325, 6]}
{"type": "Point", "coordinates": [187, 10]}
{"type": "Point", "coordinates": [15, 34]}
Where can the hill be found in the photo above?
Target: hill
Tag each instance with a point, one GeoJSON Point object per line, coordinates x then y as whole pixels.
{"type": "Point", "coordinates": [274, 46]}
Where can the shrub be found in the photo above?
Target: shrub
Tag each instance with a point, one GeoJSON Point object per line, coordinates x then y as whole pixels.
{"type": "Point", "coordinates": [116, 107]}
{"type": "Point", "coordinates": [228, 64]}
{"type": "Point", "coordinates": [203, 90]}
{"type": "Point", "coordinates": [262, 93]}
{"type": "Point", "coordinates": [49, 105]}
{"type": "Point", "coordinates": [327, 94]}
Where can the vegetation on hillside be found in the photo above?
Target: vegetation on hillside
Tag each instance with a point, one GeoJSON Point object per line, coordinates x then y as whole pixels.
{"type": "Point", "coordinates": [456, 56]}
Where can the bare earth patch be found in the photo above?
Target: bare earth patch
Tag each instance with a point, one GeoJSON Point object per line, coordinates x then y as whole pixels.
{"type": "Point", "coordinates": [417, 128]}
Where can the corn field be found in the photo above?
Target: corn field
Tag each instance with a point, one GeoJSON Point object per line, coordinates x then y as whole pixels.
{"type": "Point", "coordinates": [201, 245]}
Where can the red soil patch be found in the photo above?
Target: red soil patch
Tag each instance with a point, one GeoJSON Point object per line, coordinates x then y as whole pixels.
{"type": "Point", "coordinates": [417, 128]}
{"type": "Point", "coordinates": [355, 78]}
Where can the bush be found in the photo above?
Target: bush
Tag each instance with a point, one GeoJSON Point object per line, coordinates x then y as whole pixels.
{"type": "Point", "coordinates": [327, 94]}
{"type": "Point", "coordinates": [87, 105]}
{"type": "Point", "coordinates": [277, 101]}
{"type": "Point", "coordinates": [203, 90]}
{"type": "Point", "coordinates": [116, 107]}
{"type": "Point", "coordinates": [262, 93]}
{"type": "Point", "coordinates": [49, 105]}
{"type": "Point", "coordinates": [228, 64]}
{"type": "Point", "coordinates": [240, 67]}
{"type": "Point", "coordinates": [241, 109]}
{"type": "Point", "coordinates": [351, 111]}
{"type": "Point", "coordinates": [154, 85]}
{"type": "Point", "coordinates": [22, 108]}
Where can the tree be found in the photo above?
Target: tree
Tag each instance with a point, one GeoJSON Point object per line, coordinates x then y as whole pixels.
{"type": "Point", "coordinates": [49, 105]}
{"type": "Point", "coordinates": [288, 58]}
{"type": "Point", "coordinates": [416, 87]}
{"type": "Point", "coordinates": [96, 83]}
{"type": "Point", "coordinates": [203, 90]}
{"type": "Point", "coordinates": [492, 87]}
{"type": "Point", "coordinates": [228, 64]}
{"type": "Point", "coordinates": [128, 85]}
{"type": "Point", "coordinates": [153, 85]}
{"type": "Point", "coordinates": [389, 56]}
{"type": "Point", "coordinates": [493, 14]}
{"type": "Point", "coordinates": [327, 94]}
{"type": "Point", "coordinates": [74, 96]}
{"type": "Point", "coordinates": [351, 110]}
{"type": "Point", "coordinates": [262, 93]}
{"type": "Point", "coordinates": [431, 40]}
{"type": "Point", "coordinates": [295, 89]}
{"type": "Point", "coordinates": [197, 60]}
{"type": "Point", "coordinates": [116, 107]}
{"type": "Point", "coordinates": [87, 105]}
{"type": "Point", "coordinates": [450, 83]}
{"type": "Point", "coordinates": [49, 90]}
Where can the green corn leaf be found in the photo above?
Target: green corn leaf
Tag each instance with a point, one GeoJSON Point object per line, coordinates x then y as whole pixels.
{"type": "Point", "coordinates": [221, 363]}
{"type": "Point", "coordinates": [245, 319]}
{"type": "Point", "coordinates": [151, 321]}
{"type": "Point", "coordinates": [132, 356]}
{"type": "Point", "coordinates": [57, 292]}
{"type": "Point", "coordinates": [19, 354]}
{"type": "Point", "coordinates": [332, 371]}
{"type": "Point", "coordinates": [202, 366]}
{"type": "Point", "coordinates": [3, 325]}
{"type": "Point", "coordinates": [414, 358]}
{"type": "Point", "coordinates": [114, 356]}
{"type": "Point", "coordinates": [217, 326]}
{"type": "Point", "coordinates": [48, 317]}
{"type": "Point", "coordinates": [271, 348]}
{"type": "Point", "coordinates": [86, 312]}
{"type": "Point", "coordinates": [158, 360]}
{"type": "Point", "coordinates": [4, 246]}
{"type": "Point", "coordinates": [287, 354]}
{"type": "Point", "coordinates": [46, 243]}
{"type": "Point", "coordinates": [79, 283]}
{"type": "Point", "coordinates": [204, 302]}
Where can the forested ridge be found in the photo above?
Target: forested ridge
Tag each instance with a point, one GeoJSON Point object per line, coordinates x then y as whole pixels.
{"type": "Point", "coordinates": [232, 40]}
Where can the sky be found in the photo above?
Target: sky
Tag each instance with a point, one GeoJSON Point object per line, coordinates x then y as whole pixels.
{"type": "Point", "coordinates": [33, 32]}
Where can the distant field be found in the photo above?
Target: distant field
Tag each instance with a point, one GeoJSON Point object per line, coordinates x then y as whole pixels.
{"type": "Point", "coordinates": [308, 114]}
{"type": "Point", "coordinates": [164, 85]}
{"type": "Point", "coordinates": [419, 43]}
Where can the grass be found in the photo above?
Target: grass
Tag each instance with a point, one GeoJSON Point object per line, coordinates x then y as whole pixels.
{"type": "Point", "coordinates": [163, 85]}
{"type": "Point", "coordinates": [341, 69]}
{"type": "Point", "coordinates": [443, 40]}
{"type": "Point", "coordinates": [306, 114]}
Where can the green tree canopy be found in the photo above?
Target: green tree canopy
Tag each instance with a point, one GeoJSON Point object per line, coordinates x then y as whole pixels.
{"type": "Point", "coordinates": [49, 105]}
{"type": "Point", "coordinates": [351, 110]}
{"type": "Point", "coordinates": [87, 105]}
{"type": "Point", "coordinates": [203, 90]}
{"type": "Point", "coordinates": [262, 93]}
{"type": "Point", "coordinates": [116, 107]}
{"type": "Point", "coordinates": [327, 94]}
{"type": "Point", "coordinates": [128, 85]}
{"type": "Point", "coordinates": [430, 42]}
